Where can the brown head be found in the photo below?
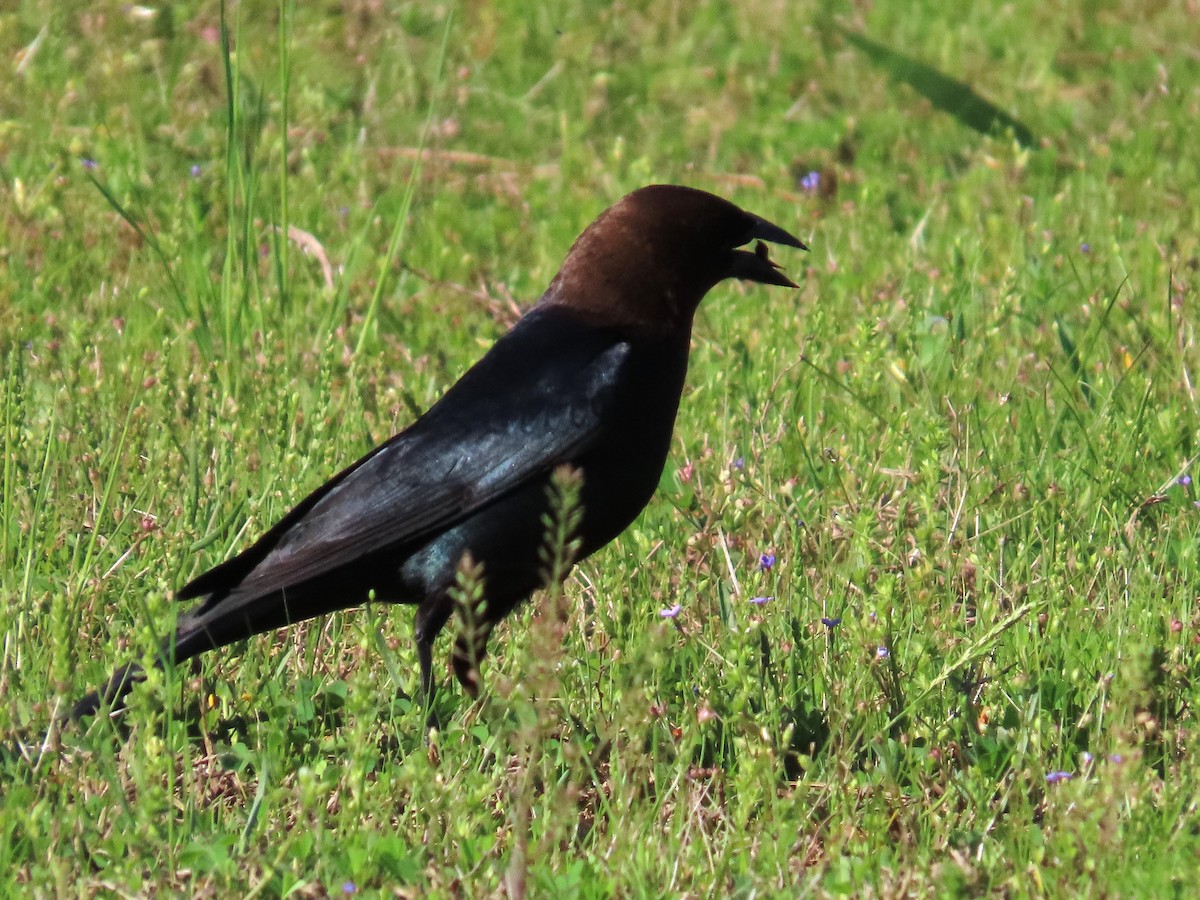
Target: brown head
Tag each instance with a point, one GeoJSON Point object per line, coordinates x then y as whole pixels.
{"type": "Point", "coordinates": [649, 259]}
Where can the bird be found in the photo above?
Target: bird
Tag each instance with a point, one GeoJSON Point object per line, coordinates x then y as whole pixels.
{"type": "Point", "coordinates": [590, 377]}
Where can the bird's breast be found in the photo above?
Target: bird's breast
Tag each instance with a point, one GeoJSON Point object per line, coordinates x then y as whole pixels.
{"type": "Point", "coordinates": [621, 470]}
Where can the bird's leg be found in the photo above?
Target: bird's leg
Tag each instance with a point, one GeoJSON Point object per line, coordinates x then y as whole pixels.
{"type": "Point", "coordinates": [425, 657]}
{"type": "Point", "coordinates": [469, 650]}
{"type": "Point", "coordinates": [431, 616]}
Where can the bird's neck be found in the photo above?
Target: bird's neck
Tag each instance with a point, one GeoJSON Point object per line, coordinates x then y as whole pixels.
{"type": "Point", "coordinates": [634, 302]}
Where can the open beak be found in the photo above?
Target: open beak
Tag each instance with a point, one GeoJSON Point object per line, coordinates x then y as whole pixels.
{"type": "Point", "coordinates": [758, 266]}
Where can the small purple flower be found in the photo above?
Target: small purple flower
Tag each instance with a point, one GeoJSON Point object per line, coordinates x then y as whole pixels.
{"type": "Point", "coordinates": [1183, 480]}
{"type": "Point", "coordinates": [195, 170]}
{"type": "Point", "coordinates": [349, 887]}
{"type": "Point", "coordinates": [1056, 777]}
{"type": "Point", "coordinates": [672, 612]}
{"type": "Point", "coordinates": [810, 182]}
{"type": "Point", "coordinates": [882, 653]}
{"type": "Point", "coordinates": [1116, 759]}
{"type": "Point", "coordinates": [89, 164]}
{"type": "Point", "coordinates": [831, 622]}
{"type": "Point", "coordinates": [1087, 758]}
{"type": "Point", "coordinates": [761, 601]}
{"type": "Point", "coordinates": [766, 562]}
{"type": "Point", "coordinates": [739, 463]}
{"type": "Point", "coordinates": [1085, 247]}
{"type": "Point", "coordinates": [873, 616]}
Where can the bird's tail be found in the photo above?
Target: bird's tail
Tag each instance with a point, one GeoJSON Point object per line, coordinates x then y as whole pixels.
{"type": "Point", "coordinates": [109, 697]}
{"type": "Point", "coordinates": [218, 622]}
{"type": "Point", "coordinates": [189, 639]}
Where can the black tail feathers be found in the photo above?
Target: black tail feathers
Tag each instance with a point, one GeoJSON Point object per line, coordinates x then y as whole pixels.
{"type": "Point", "coordinates": [112, 695]}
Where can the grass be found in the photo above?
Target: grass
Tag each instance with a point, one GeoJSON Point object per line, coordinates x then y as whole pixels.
{"type": "Point", "coordinates": [966, 437]}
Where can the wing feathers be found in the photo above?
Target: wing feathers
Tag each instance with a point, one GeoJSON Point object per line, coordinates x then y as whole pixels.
{"type": "Point", "coordinates": [467, 451]}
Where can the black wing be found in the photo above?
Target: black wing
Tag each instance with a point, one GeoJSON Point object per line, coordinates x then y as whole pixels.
{"type": "Point", "coordinates": [536, 400]}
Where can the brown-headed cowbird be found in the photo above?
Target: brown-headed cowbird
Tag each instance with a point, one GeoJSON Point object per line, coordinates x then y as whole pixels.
{"type": "Point", "coordinates": [590, 377]}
